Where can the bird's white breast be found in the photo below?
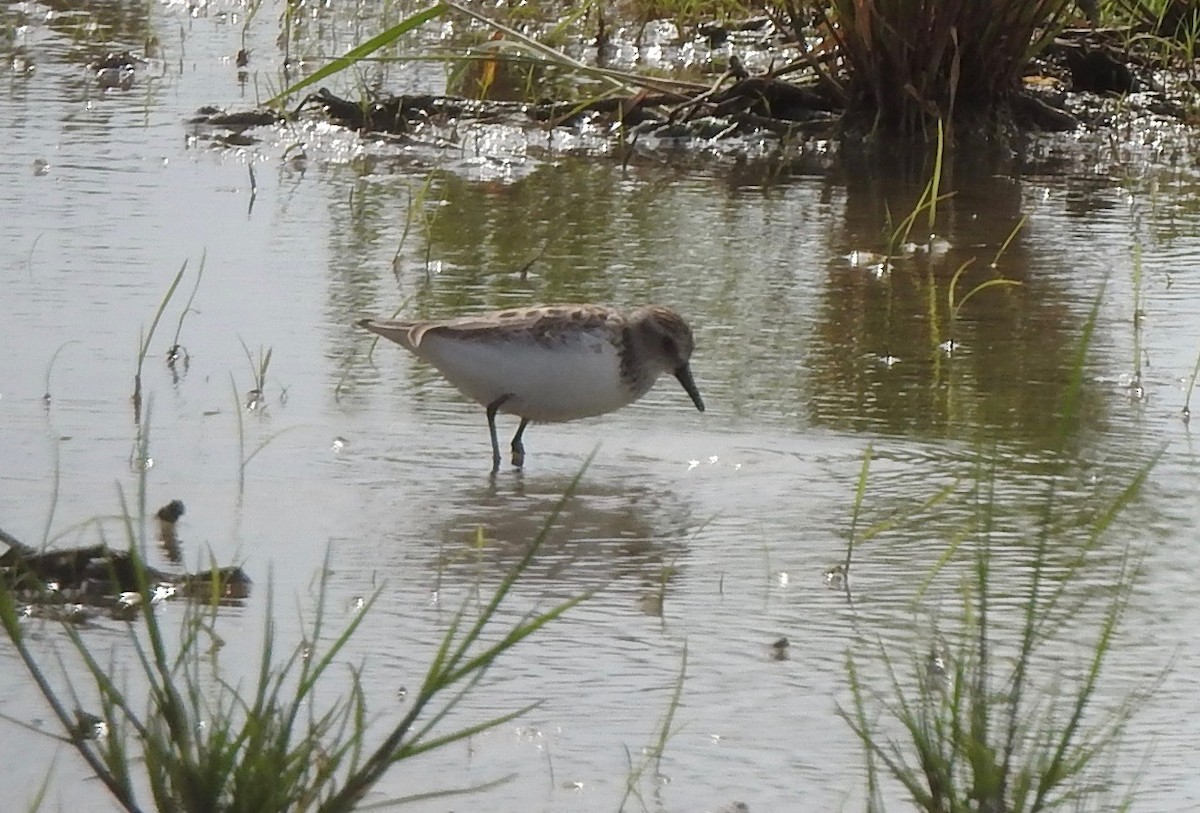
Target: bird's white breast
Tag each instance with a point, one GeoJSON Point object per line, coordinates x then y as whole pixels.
{"type": "Point", "coordinates": [571, 378]}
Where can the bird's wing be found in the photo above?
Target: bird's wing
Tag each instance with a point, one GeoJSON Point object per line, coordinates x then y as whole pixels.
{"type": "Point", "coordinates": [543, 323]}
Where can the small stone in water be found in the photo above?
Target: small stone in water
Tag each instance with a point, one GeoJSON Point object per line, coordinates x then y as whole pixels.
{"type": "Point", "coordinates": [88, 726]}
{"type": "Point", "coordinates": [171, 512]}
{"type": "Point", "coordinates": [835, 576]}
{"type": "Point", "coordinates": [652, 604]}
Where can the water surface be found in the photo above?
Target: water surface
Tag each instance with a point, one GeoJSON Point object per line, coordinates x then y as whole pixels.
{"type": "Point", "coordinates": [806, 356]}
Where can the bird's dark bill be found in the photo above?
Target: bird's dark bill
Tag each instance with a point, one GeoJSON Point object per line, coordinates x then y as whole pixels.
{"type": "Point", "coordinates": [684, 374]}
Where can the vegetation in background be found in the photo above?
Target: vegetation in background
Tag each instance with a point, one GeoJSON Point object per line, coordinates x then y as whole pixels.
{"type": "Point", "coordinates": [1174, 21]}
{"type": "Point", "coordinates": [893, 69]}
{"type": "Point", "coordinates": [912, 64]}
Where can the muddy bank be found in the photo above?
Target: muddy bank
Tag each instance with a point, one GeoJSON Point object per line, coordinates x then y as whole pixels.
{"type": "Point", "coordinates": [755, 86]}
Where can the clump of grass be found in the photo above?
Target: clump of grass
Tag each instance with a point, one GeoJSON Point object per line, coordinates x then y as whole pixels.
{"type": "Point", "coordinates": [534, 53]}
{"type": "Point", "coordinates": [900, 242]}
{"type": "Point", "coordinates": [911, 64]}
{"type": "Point", "coordinates": [202, 745]}
{"type": "Point", "coordinates": [1163, 34]}
{"type": "Point", "coordinates": [979, 735]}
{"type": "Point", "coordinates": [899, 234]}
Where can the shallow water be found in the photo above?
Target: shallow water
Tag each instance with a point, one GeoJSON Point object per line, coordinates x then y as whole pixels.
{"type": "Point", "coordinates": [806, 359]}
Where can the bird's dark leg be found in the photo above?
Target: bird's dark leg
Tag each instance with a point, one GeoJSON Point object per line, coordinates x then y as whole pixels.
{"type": "Point", "coordinates": [518, 448]}
{"type": "Point", "coordinates": [491, 413]}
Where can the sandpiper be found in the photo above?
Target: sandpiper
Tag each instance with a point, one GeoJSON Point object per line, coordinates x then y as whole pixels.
{"type": "Point", "coordinates": [551, 362]}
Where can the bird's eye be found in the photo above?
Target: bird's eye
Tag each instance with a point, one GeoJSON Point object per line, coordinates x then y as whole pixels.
{"type": "Point", "coordinates": [668, 346]}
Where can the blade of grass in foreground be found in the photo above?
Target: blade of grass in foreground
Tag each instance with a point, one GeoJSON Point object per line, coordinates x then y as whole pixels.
{"type": "Point", "coordinates": [199, 744]}
{"type": "Point", "coordinates": [972, 745]}
{"type": "Point", "coordinates": [453, 663]}
{"type": "Point", "coordinates": [655, 753]}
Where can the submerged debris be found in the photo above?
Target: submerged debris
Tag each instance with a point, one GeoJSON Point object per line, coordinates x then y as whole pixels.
{"type": "Point", "coordinates": [168, 517]}
{"type": "Point", "coordinates": [115, 70]}
{"type": "Point", "coordinates": [171, 512]}
{"type": "Point", "coordinates": [750, 105]}
{"type": "Point", "coordinates": [71, 584]}
{"type": "Point", "coordinates": [88, 726]}
{"type": "Point", "coordinates": [836, 577]}
{"type": "Point", "coordinates": [216, 117]}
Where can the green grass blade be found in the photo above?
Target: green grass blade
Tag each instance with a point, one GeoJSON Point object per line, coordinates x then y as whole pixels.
{"type": "Point", "coordinates": [362, 51]}
{"type": "Point", "coordinates": [860, 489]}
{"type": "Point", "coordinates": [1070, 407]}
{"type": "Point", "coordinates": [149, 335]}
